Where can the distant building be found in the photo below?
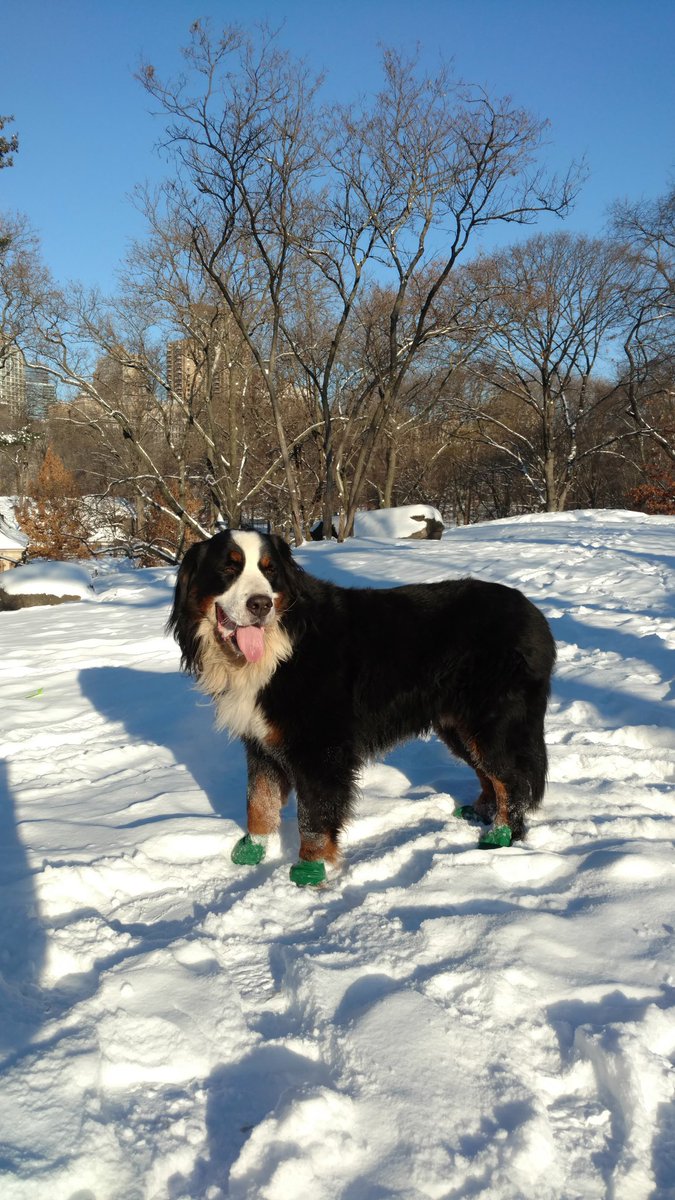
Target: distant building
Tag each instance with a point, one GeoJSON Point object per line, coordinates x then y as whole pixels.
{"type": "Point", "coordinates": [187, 370]}
{"type": "Point", "coordinates": [40, 392]}
{"type": "Point", "coordinates": [12, 383]}
{"type": "Point", "coordinates": [120, 382]}
{"type": "Point", "coordinates": [25, 391]}
{"type": "Point", "coordinates": [211, 360]}
{"type": "Point", "coordinates": [180, 366]}
{"type": "Point", "coordinates": [82, 407]}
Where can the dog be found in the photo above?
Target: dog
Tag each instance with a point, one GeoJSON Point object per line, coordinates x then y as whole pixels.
{"type": "Point", "coordinates": [316, 679]}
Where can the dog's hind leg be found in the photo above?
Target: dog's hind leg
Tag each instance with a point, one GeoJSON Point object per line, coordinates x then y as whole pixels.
{"type": "Point", "coordinates": [509, 758]}
{"type": "Point", "coordinates": [485, 805]}
{"type": "Point", "coordinates": [514, 762]}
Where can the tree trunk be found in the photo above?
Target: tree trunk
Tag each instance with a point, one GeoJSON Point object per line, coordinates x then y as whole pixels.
{"type": "Point", "coordinates": [390, 479]}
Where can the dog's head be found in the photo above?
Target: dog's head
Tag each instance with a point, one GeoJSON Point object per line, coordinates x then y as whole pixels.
{"type": "Point", "coordinates": [234, 588]}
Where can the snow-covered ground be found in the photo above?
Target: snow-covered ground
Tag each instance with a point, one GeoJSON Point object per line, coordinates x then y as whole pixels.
{"type": "Point", "coordinates": [440, 1021]}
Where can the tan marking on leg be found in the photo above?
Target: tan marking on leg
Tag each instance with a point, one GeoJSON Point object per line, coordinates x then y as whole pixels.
{"type": "Point", "coordinates": [473, 748]}
{"type": "Point", "coordinates": [319, 846]}
{"type": "Point", "coordinates": [264, 805]}
{"type": "Point", "coordinates": [502, 798]}
{"type": "Point", "coordinates": [486, 803]}
{"type": "Point", "coordinates": [274, 737]}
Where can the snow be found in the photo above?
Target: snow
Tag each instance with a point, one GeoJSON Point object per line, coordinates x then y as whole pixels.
{"type": "Point", "coordinates": [7, 507]}
{"type": "Point", "coordinates": [439, 1021]}
{"type": "Point", "coordinates": [11, 537]}
{"type": "Point", "coordinates": [401, 522]}
{"type": "Point", "coordinates": [49, 578]}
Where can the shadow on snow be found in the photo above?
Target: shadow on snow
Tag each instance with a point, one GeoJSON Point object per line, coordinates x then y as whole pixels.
{"type": "Point", "coordinates": [22, 936]}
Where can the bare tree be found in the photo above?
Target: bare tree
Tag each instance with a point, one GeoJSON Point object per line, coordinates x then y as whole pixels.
{"type": "Point", "coordinates": [210, 384]}
{"type": "Point", "coordinates": [555, 305]}
{"type": "Point", "coordinates": [8, 145]}
{"type": "Point", "coordinates": [301, 269]}
{"type": "Point", "coordinates": [396, 397]}
{"type": "Point", "coordinates": [25, 283]}
{"type": "Point", "coordinates": [646, 230]}
{"type": "Point", "coordinates": [168, 388]}
{"type": "Point", "coordinates": [284, 204]}
{"type": "Point", "coordinates": [245, 156]}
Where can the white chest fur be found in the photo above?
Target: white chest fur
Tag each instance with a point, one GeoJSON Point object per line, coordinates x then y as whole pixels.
{"type": "Point", "coordinates": [235, 686]}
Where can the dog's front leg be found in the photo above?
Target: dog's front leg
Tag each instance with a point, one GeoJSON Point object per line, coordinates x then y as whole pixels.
{"type": "Point", "coordinates": [267, 792]}
{"type": "Point", "coordinates": [325, 793]}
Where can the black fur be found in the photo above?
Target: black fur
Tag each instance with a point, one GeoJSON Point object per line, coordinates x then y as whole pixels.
{"type": "Point", "coordinates": [468, 659]}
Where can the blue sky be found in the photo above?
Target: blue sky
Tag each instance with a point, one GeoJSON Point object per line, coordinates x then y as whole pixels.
{"type": "Point", "coordinates": [602, 71]}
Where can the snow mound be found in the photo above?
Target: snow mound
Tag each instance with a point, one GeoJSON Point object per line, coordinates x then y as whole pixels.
{"type": "Point", "coordinates": [603, 517]}
{"type": "Point", "coordinates": [404, 522]}
{"type": "Point", "coordinates": [50, 579]}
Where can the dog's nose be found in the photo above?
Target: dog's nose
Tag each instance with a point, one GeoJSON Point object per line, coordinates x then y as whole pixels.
{"type": "Point", "coordinates": [259, 606]}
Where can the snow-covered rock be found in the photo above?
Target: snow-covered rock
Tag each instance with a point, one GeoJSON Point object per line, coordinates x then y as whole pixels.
{"type": "Point", "coordinates": [49, 578]}
{"type": "Point", "coordinates": [406, 521]}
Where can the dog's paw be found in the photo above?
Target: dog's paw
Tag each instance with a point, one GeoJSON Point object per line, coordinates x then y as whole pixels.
{"type": "Point", "coordinates": [467, 812]}
{"type": "Point", "coordinates": [496, 836]}
{"type": "Point", "coordinates": [308, 874]}
{"type": "Point", "coordinates": [249, 850]}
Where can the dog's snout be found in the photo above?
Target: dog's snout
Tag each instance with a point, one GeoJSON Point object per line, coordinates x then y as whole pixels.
{"type": "Point", "coordinates": [259, 606]}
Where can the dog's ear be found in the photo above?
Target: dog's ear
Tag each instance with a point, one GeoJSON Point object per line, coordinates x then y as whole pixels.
{"type": "Point", "coordinates": [282, 547]}
{"type": "Point", "coordinates": [178, 622]}
{"type": "Point", "coordinates": [192, 560]}
{"type": "Point", "coordinates": [290, 566]}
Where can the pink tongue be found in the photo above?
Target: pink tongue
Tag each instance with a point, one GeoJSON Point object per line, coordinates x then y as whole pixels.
{"type": "Point", "coordinates": [250, 640]}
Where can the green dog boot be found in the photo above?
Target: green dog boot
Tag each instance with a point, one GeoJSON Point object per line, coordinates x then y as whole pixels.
{"type": "Point", "coordinates": [498, 835]}
{"type": "Point", "coordinates": [467, 812]}
{"type": "Point", "coordinates": [249, 851]}
{"type": "Point", "coordinates": [308, 874]}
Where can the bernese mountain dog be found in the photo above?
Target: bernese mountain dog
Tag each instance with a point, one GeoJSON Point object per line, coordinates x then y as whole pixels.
{"type": "Point", "coordinates": [315, 679]}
